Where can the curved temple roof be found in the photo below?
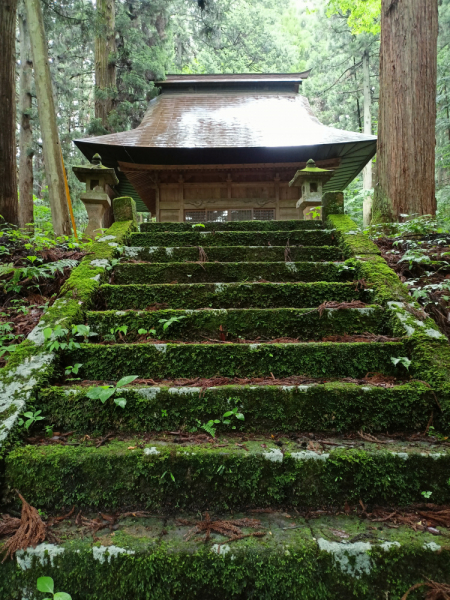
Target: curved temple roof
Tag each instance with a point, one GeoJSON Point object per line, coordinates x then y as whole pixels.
{"type": "Point", "coordinates": [270, 122]}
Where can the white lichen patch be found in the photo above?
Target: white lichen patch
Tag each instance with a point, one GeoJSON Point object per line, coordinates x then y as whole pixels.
{"type": "Point", "coordinates": [221, 549]}
{"type": "Point", "coordinates": [303, 388]}
{"type": "Point", "coordinates": [436, 455]}
{"type": "Point", "coordinates": [309, 455]}
{"type": "Point", "coordinates": [120, 313]}
{"type": "Point", "coordinates": [161, 347]}
{"type": "Point", "coordinates": [274, 455]}
{"type": "Point", "coordinates": [101, 553]}
{"type": "Point", "coordinates": [134, 251]}
{"type": "Point", "coordinates": [70, 392]}
{"type": "Point", "coordinates": [106, 238]}
{"type": "Point", "coordinates": [181, 391]}
{"type": "Point", "coordinates": [431, 546]}
{"type": "Point", "coordinates": [151, 451]}
{"type": "Point", "coordinates": [37, 334]}
{"type": "Point", "coordinates": [113, 244]}
{"type": "Point", "coordinates": [96, 278]}
{"type": "Point", "coordinates": [100, 262]}
{"type": "Point", "coordinates": [433, 333]}
{"type": "Point", "coordinates": [16, 387]}
{"type": "Point", "coordinates": [254, 346]}
{"type": "Point", "coordinates": [402, 455]}
{"type": "Point", "coordinates": [352, 559]}
{"type": "Point", "coordinates": [219, 287]}
{"type": "Point", "coordinates": [169, 252]}
{"type": "Point", "coordinates": [388, 545]}
{"type": "Point", "coordinates": [287, 388]}
{"type": "Point", "coordinates": [149, 393]}
{"type": "Point", "coordinates": [45, 554]}
{"type": "Point", "coordinates": [291, 266]}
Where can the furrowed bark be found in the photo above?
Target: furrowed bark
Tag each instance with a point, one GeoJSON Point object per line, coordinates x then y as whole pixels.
{"type": "Point", "coordinates": [407, 110]}
{"type": "Point", "coordinates": [8, 177]}
{"type": "Point", "coordinates": [47, 119]}
{"type": "Point", "coordinates": [105, 68]}
{"type": "Point", "coordinates": [25, 135]}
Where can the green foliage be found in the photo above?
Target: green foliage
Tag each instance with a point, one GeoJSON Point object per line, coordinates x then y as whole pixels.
{"type": "Point", "coordinates": [46, 585]}
{"type": "Point", "coordinates": [362, 15]}
{"type": "Point", "coordinates": [104, 392]}
{"type": "Point", "coordinates": [31, 419]}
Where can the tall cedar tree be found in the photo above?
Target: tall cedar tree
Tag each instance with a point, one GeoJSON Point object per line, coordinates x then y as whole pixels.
{"type": "Point", "coordinates": [25, 132]}
{"type": "Point", "coordinates": [105, 68]}
{"type": "Point", "coordinates": [9, 208]}
{"type": "Point", "coordinates": [407, 110]}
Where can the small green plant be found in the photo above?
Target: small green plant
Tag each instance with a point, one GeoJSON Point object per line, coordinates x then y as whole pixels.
{"type": "Point", "coordinates": [403, 360]}
{"type": "Point", "coordinates": [426, 495]}
{"type": "Point", "coordinates": [61, 338]}
{"type": "Point", "coordinates": [314, 213]}
{"type": "Point", "coordinates": [147, 331]}
{"type": "Point", "coordinates": [113, 263]}
{"type": "Point", "coordinates": [211, 426]}
{"type": "Point", "coordinates": [171, 475]}
{"type": "Point", "coordinates": [73, 369]}
{"type": "Point", "coordinates": [104, 392]}
{"type": "Point", "coordinates": [111, 336]}
{"type": "Point", "coordinates": [197, 225]}
{"type": "Point", "coordinates": [46, 585]}
{"type": "Point", "coordinates": [168, 322]}
{"type": "Point", "coordinates": [31, 418]}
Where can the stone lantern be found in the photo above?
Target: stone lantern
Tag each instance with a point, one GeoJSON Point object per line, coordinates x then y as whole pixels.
{"type": "Point", "coordinates": [310, 180]}
{"type": "Point", "coordinates": [96, 200]}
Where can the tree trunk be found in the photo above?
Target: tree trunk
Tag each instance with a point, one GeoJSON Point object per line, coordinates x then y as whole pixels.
{"type": "Point", "coordinates": [47, 119]}
{"type": "Point", "coordinates": [105, 68]}
{"type": "Point", "coordinates": [407, 110]}
{"type": "Point", "coordinates": [9, 209]}
{"type": "Point", "coordinates": [26, 136]}
{"type": "Point", "coordinates": [367, 172]}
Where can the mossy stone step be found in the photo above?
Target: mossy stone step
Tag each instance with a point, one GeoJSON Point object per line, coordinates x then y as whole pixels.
{"type": "Point", "coordinates": [197, 325]}
{"type": "Point", "coordinates": [230, 295]}
{"type": "Point", "coordinates": [208, 272]}
{"type": "Point", "coordinates": [171, 361]}
{"type": "Point", "coordinates": [233, 226]}
{"type": "Point", "coordinates": [314, 237]}
{"type": "Point", "coordinates": [160, 254]}
{"type": "Point", "coordinates": [158, 557]}
{"type": "Point", "coordinates": [157, 473]}
{"type": "Point", "coordinates": [331, 407]}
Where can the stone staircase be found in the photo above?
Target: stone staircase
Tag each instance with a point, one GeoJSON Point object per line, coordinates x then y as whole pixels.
{"type": "Point", "coordinates": [245, 337]}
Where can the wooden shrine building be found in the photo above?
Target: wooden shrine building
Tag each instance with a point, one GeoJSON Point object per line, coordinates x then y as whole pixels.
{"type": "Point", "coordinates": [224, 147]}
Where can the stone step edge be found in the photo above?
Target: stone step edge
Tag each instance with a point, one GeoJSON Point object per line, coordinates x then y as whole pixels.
{"type": "Point", "coordinates": [302, 323]}
{"type": "Point", "coordinates": [175, 360]}
{"type": "Point", "coordinates": [215, 295]}
{"type": "Point", "coordinates": [161, 474]}
{"type": "Point", "coordinates": [334, 407]}
{"type": "Point", "coordinates": [307, 558]}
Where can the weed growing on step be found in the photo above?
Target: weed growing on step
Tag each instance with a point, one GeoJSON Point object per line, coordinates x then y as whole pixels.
{"type": "Point", "coordinates": [168, 322]}
{"type": "Point", "coordinates": [104, 392]}
{"type": "Point", "coordinates": [403, 360]}
{"type": "Point", "coordinates": [211, 426]}
{"type": "Point", "coordinates": [31, 418]}
{"type": "Point", "coordinates": [46, 585]}
{"type": "Point", "coordinates": [112, 335]}
{"type": "Point", "coordinates": [73, 370]}
{"type": "Point", "coordinates": [60, 338]}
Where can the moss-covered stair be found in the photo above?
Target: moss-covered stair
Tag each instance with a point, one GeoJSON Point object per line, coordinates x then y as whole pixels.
{"type": "Point", "coordinates": [243, 305]}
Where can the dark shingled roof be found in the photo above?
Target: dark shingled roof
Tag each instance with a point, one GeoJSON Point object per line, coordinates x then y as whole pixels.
{"type": "Point", "coordinates": [267, 123]}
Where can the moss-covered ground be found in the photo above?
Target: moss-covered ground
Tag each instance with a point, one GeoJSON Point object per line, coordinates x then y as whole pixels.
{"type": "Point", "coordinates": [223, 302]}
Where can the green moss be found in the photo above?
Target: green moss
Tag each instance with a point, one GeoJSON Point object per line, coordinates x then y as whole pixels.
{"type": "Point", "coordinates": [234, 360]}
{"type": "Point", "coordinates": [234, 253]}
{"type": "Point", "coordinates": [232, 226]}
{"type": "Point", "coordinates": [303, 324]}
{"type": "Point", "coordinates": [125, 209]}
{"type": "Point", "coordinates": [382, 280]}
{"type": "Point", "coordinates": [234, 238]}
{"type": "Point", "coordinates": [332, 407]}
{"type": "Point", "coordinates": [153, 560]}
{"type": "Point", "coordinates": [222, 478]}
{"type": "Point", "coordinates": [352, 242]}
{"type": "Point", "coordinates": [332, 204]}
{"type": "Point", "coordinates": [229, 295]}
{"type": "Point", "coordinates": [228, 272]}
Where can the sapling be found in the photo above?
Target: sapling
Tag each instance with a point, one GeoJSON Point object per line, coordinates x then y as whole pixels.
{"type": "Point", "coordinates": [103, 392]}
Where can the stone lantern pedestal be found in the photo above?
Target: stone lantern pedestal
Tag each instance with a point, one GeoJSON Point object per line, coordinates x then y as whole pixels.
{"type": "Point", "coordinates": [95, 199]}
{"type": "Point", "coordinates": [310, 180]}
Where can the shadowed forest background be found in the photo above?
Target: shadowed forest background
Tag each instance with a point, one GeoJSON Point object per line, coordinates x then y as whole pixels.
{"type": "Point", "coordinates": [156, 37]}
